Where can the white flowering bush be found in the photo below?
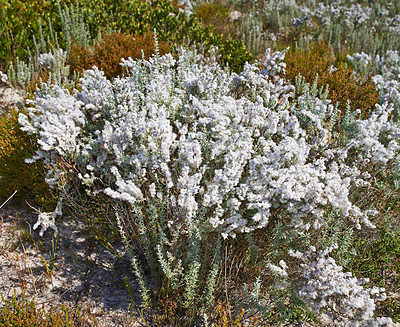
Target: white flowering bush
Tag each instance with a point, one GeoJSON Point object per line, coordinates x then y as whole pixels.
{"type": "Point", "coordinates": [191, 154]}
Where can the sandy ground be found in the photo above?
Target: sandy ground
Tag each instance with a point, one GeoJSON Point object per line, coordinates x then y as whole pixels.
{"type": "Point", "coordinates": [8, 96]}
{"type": "Point", "coordinates": [81, 272]}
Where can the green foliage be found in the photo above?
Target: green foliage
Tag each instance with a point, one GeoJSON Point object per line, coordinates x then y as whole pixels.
{"type": "Point", "coordinates": [288, 308]}
{"type": "Point", "coordinates": [391, 308]}
{"type": "Point", "coordinates": [172, 25]}
{"type": "Point", "coordinates": [15, 174]}
{"type": "Point", "coordinates": [184, 270]}
{"type": "Point", "coordinates": [378, 259]}
{"type": "Point", "coordinates": [235, 54]}
{"type": "Point", "coordinates": [20, 21]}
{"type": "Point", "coordinates": [82, 23]}
{"type": "Point", "coordinates": [280, 19]}
{"type": "Point", "coordinates": [28, 76]}
{"type": "Point", "coordinates": [73, 26]}
{"type": "Point", "coordinates": [22, 74]}
{"type": "Point", "coordinates": [341, 234]}
{"type": "Point", "coordinates": [25, 313]}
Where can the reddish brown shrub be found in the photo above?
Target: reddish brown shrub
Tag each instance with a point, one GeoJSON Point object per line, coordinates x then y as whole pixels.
{"type": "Point", "coordinates": [80, 58]}
{"type": "Point", "coordinates": [107, 53]}
{"type": "Point", "coordinates": [343, 84]}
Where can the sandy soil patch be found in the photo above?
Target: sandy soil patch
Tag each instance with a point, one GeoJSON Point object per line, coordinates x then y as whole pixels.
{"type": "Point", "coordinates": [80, 271]}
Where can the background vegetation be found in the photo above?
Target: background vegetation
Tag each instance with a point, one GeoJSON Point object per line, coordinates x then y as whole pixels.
{"type": "Point", "coordinates": [101, 32]}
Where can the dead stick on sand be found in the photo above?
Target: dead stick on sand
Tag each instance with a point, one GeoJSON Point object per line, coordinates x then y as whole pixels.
{"type": "Point", "coordinates": [8, 199]}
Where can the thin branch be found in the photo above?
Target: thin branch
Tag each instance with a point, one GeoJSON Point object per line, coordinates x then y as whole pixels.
{"type": "Point", "coordinates": [11, 196]}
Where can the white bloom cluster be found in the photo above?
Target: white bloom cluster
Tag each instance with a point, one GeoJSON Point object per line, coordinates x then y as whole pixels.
{"type": "Point", "coordinates": [370, 140]}
{"type": "Point", "coordinates": [49, 60]}
{"type": "Point", "coordinates": [3, 77]}
{"type": "Point", "coordinates": [273, 62]}
{"type": "Point", "coordinates": [387, 80]}
{"type": "Point", "coordinates": [202, 139]}
{"type": "Point", "coordinates": [323, 284]}
{"type": "Point", "coordinates": [48, 219]}
{"type": "Point", "coordinates": [389, 65]}
{"type": "Point", "coordinates": [361, 58]}
{"type": "Point", "coordinates": [353, 15]}
{"type": "Point", "coordinates": [57, 118]}
{"type": "Point", "coordinates": [234, 16]}
{"type": "Point", "coordinates": [188, 7]}
{"type": "Point", "coordinates": [279, 270]}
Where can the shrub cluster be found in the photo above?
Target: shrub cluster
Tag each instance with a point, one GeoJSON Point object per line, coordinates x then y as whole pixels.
{"type": "Point", "coordinates": [133, 17]}
{"type": "Point", "coordinates": [18, 20]}
{"type": "Point", "coordinates": [191, 155]}
{"type": "Point", "coordinates": [205, 171]}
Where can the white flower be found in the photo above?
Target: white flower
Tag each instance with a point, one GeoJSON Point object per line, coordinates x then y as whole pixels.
{"type": "Point", "coordinates": [3, 77]}
{"type": "Point", "coordinates": [233, 146]}
{"type": "Point", "coordinates": [152, 190]}
{"type": "Point", "coordinates": [324, 284]}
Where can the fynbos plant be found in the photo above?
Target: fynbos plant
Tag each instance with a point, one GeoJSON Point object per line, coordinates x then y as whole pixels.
{"type": "Point", "coordinates": [191, 154]}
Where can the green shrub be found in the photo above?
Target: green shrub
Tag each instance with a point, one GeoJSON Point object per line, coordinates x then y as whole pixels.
{"type": "Point", "coordinates": [20, 21]}
{"type": "Point", "coordinates": [133, 17]}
